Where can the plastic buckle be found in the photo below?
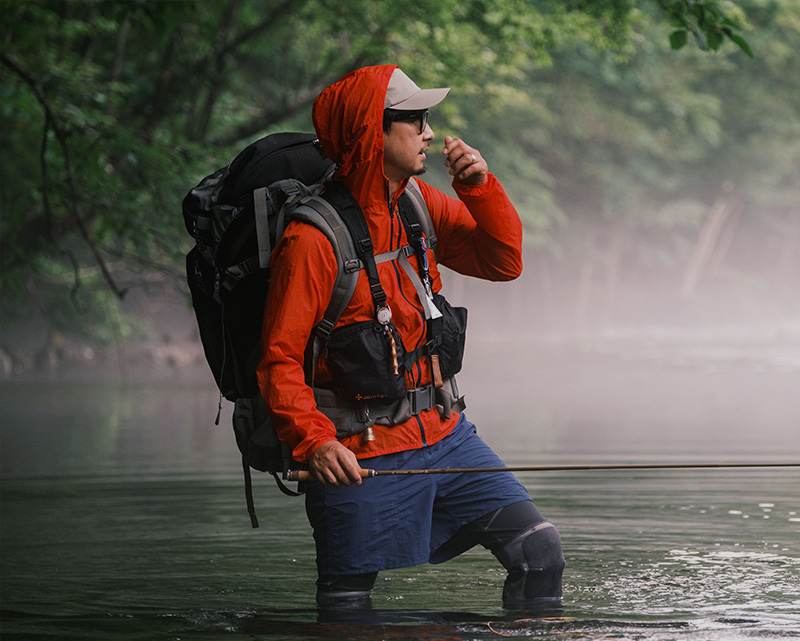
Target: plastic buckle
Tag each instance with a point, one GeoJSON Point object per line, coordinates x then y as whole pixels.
{"type": "Point", "coordinates": [421, 399]}
{"type": "Point", "coordinates": [362, 412]}
{"type": "Point", "coordinates": [325, 327]}
{"type": "Point", "coordinates": [432, 345]}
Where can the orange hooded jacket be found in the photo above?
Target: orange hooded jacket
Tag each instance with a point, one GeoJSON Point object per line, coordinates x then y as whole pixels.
{"type": "Point", "coordinates": [479, 234]}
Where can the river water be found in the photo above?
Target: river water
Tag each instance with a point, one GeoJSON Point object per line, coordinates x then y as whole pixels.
{"type": "Point", "coordinates": [123, 511]}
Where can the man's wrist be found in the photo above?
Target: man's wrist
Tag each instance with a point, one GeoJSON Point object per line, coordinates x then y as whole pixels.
{"type": "Point", "coordinates": [470, 191]}
{"type": "Point", "coordinates": [303, 452]}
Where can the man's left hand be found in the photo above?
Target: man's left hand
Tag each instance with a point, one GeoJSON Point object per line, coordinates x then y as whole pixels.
{"type": "Point", "coordinates": [465, 163]}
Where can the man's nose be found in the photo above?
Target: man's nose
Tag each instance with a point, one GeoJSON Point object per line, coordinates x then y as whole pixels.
{"type": "Point", "coordinates": [428, 133]}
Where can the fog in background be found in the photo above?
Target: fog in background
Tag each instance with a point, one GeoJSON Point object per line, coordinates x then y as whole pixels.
{"type": "Point", "coordinates": [658, 189]}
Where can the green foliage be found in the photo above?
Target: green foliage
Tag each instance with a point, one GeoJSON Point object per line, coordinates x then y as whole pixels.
{"type": "Point", "coordinates": [709, 21]}
{"type": "Point", "coordinates": [111, 111]}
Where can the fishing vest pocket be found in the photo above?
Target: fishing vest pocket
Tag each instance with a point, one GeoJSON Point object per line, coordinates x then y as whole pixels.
{"type": "Point", "coordinates": [366, 361]}
{"type": "Point", "coordinates": [453, 336]}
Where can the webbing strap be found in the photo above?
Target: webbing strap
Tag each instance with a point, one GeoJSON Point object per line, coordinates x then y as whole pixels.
{"type": "Point", "coordinates": [262, 226]}
{"type": "Point", "coordinates": [431, 311]}
{"type": "Point", "coordinates": [248, 492]}
{"type": "Point", "coordinates": [351, 418]}
{"type": "Point", "coordinates": [350, 211]}
{"type": "Point", "coordinates": [235, 273]}
{"type": "Point", "coordinates": [414, 230]}
{"type": "Point", "coordinates": [320, 213]}
{"type": "Point", "coordinates": [423, 216]}
{"type": "Point", "coordinates": [395, 254]}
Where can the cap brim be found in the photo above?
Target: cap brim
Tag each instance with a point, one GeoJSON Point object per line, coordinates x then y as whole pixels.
{"type": "Point", "coordinates": [423, 99]}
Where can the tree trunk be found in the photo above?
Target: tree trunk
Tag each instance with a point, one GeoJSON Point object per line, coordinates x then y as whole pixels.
{"type": "Point", "coordinates": [545, 304]}
{"type": "Point", "coordinates": [787, 267]}
{"type": "Point", "coordinates": [725, 242]}
{"type": "Point", "coordinates": [162, 89]}
{"type": "Point", "coordinates": [707, 242]}
{"type": "Point", "coordinates": [586, 282]}
{"type": "Point", "coordinates": [119, 53]}
{"type": "Point", "coordinates": [216, 69]}
{"type": "Point", "coordinates": [613, 262]}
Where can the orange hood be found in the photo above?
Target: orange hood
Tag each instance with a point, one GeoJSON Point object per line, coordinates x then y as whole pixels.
{"type": "Point", "coordinates": [348, 118]}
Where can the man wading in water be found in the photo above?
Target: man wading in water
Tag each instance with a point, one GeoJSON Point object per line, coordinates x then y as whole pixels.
{"type": "Point", "coordinates": [373, 124]}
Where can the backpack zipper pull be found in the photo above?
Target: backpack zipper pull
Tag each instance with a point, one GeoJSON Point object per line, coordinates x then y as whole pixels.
{"type": "Point", "coordinates": [395, 364]}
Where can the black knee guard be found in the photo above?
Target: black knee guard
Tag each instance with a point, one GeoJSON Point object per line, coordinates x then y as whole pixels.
{"type": "Point", "coordinates": [535, 563]}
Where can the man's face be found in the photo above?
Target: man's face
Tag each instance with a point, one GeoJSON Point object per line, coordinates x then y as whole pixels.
{"type": "Point", "coordinates": [404, 149]}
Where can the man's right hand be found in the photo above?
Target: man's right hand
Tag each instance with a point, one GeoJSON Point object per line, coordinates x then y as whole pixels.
{"type": "Point", "coordinates": [333, 464]}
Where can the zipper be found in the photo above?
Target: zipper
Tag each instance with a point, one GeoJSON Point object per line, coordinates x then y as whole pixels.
{"type": "Point", "coordinates": [312, 140]}
{"type": "Point", "coordinates": [422, 431]}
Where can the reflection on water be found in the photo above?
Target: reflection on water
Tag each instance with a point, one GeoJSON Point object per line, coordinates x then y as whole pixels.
{"type": "Point", "coordinates": [123, 513]}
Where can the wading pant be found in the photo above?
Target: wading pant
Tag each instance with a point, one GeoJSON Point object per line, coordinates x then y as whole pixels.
{"type": "Point", "coordinates": [524, 542]}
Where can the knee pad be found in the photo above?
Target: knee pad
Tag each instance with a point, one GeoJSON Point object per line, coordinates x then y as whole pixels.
{"type": "Point", "coordinates": [535, 563]}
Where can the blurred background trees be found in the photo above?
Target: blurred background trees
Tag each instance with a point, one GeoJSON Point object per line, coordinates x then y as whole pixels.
{"type": "Point", "coordinates": [651, 147]}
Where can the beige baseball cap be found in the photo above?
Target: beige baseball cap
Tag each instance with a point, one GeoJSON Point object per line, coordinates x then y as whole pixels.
{"type": "Point", "coordinates": [403, 94]}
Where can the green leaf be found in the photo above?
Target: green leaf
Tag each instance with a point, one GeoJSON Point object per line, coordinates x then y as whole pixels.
{"type": "Point", "coordinates": [678, 39]}
{"type": "Point", "coordinates": [742, 43]}
{"type": "Point", "coordinates": [714, 39]}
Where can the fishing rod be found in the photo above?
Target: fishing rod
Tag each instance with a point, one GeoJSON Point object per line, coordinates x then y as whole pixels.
{"type": "Point", "coordinates": [305, 475]}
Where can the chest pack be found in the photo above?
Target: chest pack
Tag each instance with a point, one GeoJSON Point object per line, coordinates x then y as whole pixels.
{"type": "Point", "coordinates": [236, 216]}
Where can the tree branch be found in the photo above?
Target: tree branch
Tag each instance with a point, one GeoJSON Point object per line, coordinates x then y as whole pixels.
{"type": "Point", "coordinates": [61, 136]}
{"type": "Point", "coordinates": [162, 88]}
{"type": "Point", "coordinates": [213, 60]}
{"type": "Point", "coordinates": [48, 210]}
{"type": "Point", "coordinates": [267, 117]}
{"type": "Point", "coordinates": [215, 64]}
{"type": "Point", "coordinates": [275, 15]}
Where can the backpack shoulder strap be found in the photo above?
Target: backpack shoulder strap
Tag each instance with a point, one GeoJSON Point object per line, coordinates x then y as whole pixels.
{"type": "Point", "coordinates": [420, 208]}
{"type": "Point", "coordinates": [318, 212]}
{"type": "Point", "coordinates": [350, 211]}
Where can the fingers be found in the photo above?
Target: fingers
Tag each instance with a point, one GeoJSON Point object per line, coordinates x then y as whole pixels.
{"type": "Point", "coordinates": [333, 464]}
{"type": "Point", "coordinates": [465, 163]}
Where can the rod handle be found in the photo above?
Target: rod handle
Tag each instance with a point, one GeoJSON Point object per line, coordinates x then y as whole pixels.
{"type": "Point", "coordinates": [305, 475]}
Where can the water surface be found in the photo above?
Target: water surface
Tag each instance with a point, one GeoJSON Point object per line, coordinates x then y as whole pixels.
{"type": "Point", "coordinates": [123, 512]}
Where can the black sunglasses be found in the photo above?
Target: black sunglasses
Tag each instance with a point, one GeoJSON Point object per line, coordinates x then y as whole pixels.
{"type": "Point", "coordinates": [396, 115]}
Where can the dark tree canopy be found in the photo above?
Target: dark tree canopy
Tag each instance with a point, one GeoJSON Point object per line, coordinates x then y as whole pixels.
{"type": "Point", "coordinates": [589, 111]}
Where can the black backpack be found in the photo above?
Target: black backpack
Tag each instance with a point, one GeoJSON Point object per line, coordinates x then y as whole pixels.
{"type": "Point", "coordinates": [236, 216]}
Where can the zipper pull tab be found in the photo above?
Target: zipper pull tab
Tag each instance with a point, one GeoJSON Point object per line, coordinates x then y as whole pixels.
{"type": "Point", "coordinates": [436, 371]}
{"type": "Point", "coordinates": [395, 364]}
